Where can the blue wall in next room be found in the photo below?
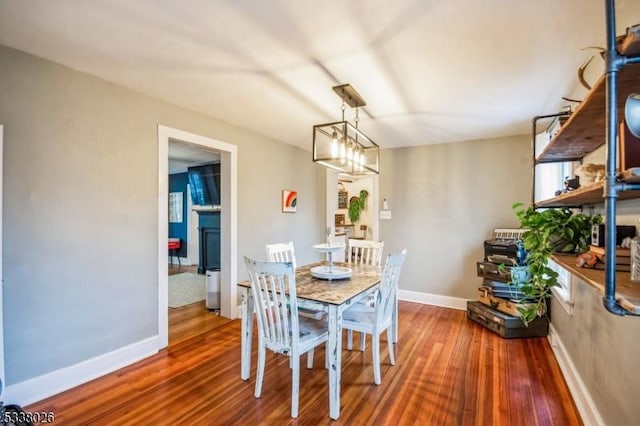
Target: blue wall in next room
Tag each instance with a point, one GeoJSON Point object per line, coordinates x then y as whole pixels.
{"type": "Point", "coordinates": [178, 183]}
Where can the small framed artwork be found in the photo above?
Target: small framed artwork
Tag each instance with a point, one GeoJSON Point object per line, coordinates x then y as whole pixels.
{"type": "Point", "coordinates": [289, 201]}
{"type": "Point", "coordinates": [339, 220]}
{"type": "Point", "coordinates": [343, 196]}
{"type": "Point", "coordinates": [175, 207]}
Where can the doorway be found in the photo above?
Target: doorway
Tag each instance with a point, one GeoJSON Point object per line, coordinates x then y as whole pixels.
{"type": "Point", "coordinates": [228, 223]}
{"type": "Point", "coordinates": [370, 219]}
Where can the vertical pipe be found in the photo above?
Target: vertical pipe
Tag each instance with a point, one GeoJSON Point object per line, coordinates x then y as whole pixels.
{"type": "Point", "coordinates": [610, 188]}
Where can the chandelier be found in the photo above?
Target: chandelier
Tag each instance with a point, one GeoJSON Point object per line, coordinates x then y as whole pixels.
{"type": "Point", "coordinates": [341, 145]}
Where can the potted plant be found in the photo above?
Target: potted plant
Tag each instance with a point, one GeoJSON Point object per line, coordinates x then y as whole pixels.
{"type": "Point", "coordinates": [356, 205]}
{"type": "Point", "coordinates": [548, 231]}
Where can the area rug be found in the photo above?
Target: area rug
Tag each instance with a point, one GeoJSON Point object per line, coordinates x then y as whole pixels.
{"type": "Point", "coordinates": [186, 288]}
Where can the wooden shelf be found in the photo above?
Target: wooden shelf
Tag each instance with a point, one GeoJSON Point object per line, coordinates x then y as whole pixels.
{"type": "Point", "coordinates": [585, 130]}
{"type": "Point", "coordinates": [593, 193]}
{"type": "Point", "coordinates": [627, 293]}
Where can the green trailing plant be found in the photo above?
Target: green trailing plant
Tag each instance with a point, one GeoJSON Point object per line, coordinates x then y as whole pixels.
{"type": "Point", "coordinates": [356, 205]}
{"type": "Point", "coordinates": [548, 231]}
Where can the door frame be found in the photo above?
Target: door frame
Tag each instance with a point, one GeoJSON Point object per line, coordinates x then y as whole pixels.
{"type": "Point", "coordinates": [331, 185]}
{"type": "Point", "coordinates": [228, 223]}
{"type": "Point", "coordinates": [2, 376]}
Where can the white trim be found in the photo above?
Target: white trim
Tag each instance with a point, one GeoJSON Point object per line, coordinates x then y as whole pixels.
{"type": "Point", "coordinates": [433, 299]}
{"type": "Point", "coordinates": [586, 407]}
{"type": "Point", "coordinates": [228, 218]}
{"type": "Point", "coordinates": [2, 376]}
{"type": "Point", "coordinates": [41, 387]}
{"type": "Point", "coordinates": [563, 293]}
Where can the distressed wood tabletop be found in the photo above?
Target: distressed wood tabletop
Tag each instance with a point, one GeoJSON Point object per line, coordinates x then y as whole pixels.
{"type": "Point", "coordinates": [335, 292]}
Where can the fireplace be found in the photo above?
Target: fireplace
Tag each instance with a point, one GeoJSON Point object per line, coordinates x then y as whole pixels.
{"type": "Point", "coordinates": [209, 236]}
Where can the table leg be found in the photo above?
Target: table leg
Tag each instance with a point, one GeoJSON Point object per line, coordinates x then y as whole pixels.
{"type": "Point", "coordinates": [247, 334]}
{"type": "Point", "coordinates": [335, 360]}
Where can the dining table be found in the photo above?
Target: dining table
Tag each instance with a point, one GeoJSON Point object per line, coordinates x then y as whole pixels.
{"type": "Point", "coordinates": [330, 296]}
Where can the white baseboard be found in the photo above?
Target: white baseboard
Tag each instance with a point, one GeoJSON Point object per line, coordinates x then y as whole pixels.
{"type": "Point", "coordinates": [41, 387]}
{"type": "Point", "coordinates": [586, 407]}
{"type": "Point", "coordinates": [433, 299]}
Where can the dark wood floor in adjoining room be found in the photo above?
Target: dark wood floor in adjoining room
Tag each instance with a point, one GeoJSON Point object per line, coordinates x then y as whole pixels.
{"type": "Point", "coordinates": [449, 371]}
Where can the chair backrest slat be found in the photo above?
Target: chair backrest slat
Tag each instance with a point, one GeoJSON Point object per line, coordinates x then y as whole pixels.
{"type": "Point", "coordinates": [281, 252]}
{"type": "Point", "coordinates": [273, 288]}
{"type": "Point", "coordinates": [365, 252]}
{"type": "Point", "coordinates": [386, 298]}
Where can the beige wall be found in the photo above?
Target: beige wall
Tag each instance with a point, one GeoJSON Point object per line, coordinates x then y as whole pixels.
{"type": "Point", "coordinates": [80, 210]}
{"type": "Point", "coordinates": [445, 201]}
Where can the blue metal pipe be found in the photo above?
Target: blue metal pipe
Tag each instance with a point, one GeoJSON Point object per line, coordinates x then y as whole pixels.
{"type": "Point", "coordinates": [610, 187]}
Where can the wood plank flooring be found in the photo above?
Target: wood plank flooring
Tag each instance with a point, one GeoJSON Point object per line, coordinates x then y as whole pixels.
{"type": "Point", "coordinates": [449, 371]}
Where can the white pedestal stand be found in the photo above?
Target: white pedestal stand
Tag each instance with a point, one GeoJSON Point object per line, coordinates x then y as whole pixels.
{"type": "Point", "coordinates": [330, 272]}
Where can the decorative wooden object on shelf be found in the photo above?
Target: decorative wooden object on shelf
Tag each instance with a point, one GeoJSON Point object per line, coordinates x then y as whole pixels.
{"type": "Point", "coordinates": [629, 44]}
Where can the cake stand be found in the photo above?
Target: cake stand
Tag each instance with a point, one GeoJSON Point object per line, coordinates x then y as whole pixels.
{"type": "Point", "coordinates": [330, 272]}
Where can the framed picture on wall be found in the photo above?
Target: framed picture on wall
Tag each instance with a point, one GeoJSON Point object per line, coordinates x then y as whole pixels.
{"type": "Point", "coordinates": [343, 197]}
{"type": "Point", "coordinates": [175, 207]}
{"type": "Point", "coordinates": [289, 201]}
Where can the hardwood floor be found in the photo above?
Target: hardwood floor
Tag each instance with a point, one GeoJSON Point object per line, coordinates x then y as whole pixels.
{"type": "Point", "coordinates": [449, 371]}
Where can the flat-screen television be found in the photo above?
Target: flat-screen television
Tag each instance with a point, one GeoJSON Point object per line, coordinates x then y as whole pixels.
{"type": "Point", "coordinates": [204, 184]}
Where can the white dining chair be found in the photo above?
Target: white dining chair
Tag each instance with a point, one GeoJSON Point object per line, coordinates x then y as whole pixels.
{"type": "Point", "coordinates": [281, 329]}
{"type": "Point", "coordinates": [363, 252]}
{"type": "Point", "coordinates": [284, 252]}
{"type": "Point", "coordinates": [375, 320]}
{"type": "Point", "coordinates": [281, 252]}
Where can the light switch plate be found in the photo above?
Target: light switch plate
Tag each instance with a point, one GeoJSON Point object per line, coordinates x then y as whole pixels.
{"type": "Point", "coordinates": [385, 214]}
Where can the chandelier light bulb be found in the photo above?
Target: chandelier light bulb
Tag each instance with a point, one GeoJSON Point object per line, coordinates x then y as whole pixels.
{"type": "Point", "coordinates": [350, 152]}
{"type": "Point", "coordinates": [343, 150]}
{"type": "Point", "coordinates": [334, 145]}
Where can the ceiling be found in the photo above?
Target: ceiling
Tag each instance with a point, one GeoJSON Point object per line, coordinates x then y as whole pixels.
{"type": "Point", "coordinates": [430, 71]}
{"type": "Point", "coordinates": [183, 155]}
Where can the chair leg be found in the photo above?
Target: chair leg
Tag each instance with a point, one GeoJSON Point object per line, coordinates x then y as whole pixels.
{"type": "Point", "coordinates": [375, 340]}
{"type": "Point", "coordinates": [310, 358]}
{"type": "Point", "coordinates": [295, 385]}
{"type": "Point", "coordinates": [260, 373]}
{"type": "Point", "coordinates": [349, 339]}
{"type": "Point", "coordinates": [390, 333]}
{"type": "Point", "coordinates": [363, 341]}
